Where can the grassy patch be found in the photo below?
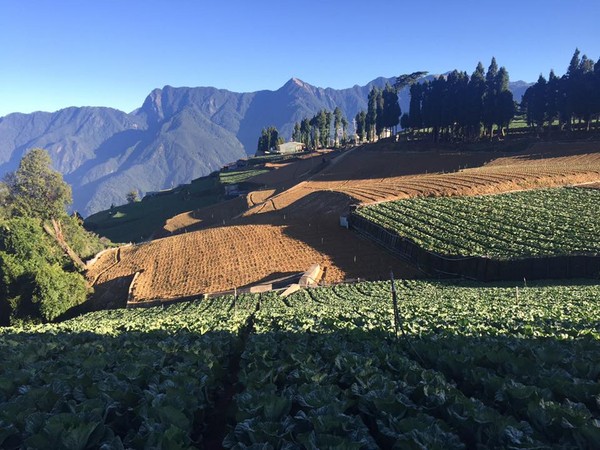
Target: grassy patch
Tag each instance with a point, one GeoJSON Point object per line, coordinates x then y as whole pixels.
{"type": "Point", "coordinates": [239, 176]}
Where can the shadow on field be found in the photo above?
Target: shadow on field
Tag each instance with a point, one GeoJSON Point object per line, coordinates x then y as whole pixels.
{"type": "Point", "coordinates": [111, 294]}
{"type": "Point", "coordinates": [175, 388]}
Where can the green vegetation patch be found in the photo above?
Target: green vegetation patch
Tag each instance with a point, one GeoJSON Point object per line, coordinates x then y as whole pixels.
{"type": "Point", "coordinates": [239, 176]}
{"type": "Point", "coordinates": [540, 223]}
{"type": "Point", "coordinates": [475, 366]}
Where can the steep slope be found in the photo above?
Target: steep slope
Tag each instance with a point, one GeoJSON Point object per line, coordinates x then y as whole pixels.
{"type": "Point", "coordinates": [71, 135]}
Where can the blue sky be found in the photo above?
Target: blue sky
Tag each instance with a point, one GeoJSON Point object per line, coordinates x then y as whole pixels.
{"type": "Point", "coordinates": [60, 53]}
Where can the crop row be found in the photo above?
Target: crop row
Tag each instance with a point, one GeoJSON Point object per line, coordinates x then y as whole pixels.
{"type": "Point", "coordinates": [474, 366]}
{"type": "Point", "coordinates": [547, 222]}
{"type": "Point", "coordinates": [118, 379]}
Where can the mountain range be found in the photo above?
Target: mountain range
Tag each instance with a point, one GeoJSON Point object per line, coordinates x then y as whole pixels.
{"type": "Point", "coordinates": [176, 135]}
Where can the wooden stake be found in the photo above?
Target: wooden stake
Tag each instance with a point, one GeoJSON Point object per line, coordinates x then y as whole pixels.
{"type": "Point", "coordinates": [395, 303]}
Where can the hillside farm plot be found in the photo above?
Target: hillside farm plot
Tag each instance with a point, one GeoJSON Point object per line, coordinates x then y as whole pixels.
{"type": "Point", "coordinates": [295, 209]}
{"type": "Point", "coordinates": [474, 366]}
{"type": "Point", "coordinates": [540, 223]}
{"type": "Point", "coordinates": [213, 260]}
{"type": "Point", "coordinates": [239, 176]}
{"type": "Point", "coordinates": [368, 176]}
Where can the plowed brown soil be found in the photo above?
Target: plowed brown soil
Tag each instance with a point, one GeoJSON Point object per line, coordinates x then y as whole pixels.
{"type": "Point", "coordinates": [286, 229]}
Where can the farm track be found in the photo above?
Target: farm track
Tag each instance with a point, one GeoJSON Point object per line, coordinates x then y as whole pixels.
{"type": "Point", "coordinates": [292, 225]}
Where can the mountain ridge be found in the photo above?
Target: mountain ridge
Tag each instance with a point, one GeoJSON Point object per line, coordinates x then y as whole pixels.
{"type": "Point", "coordinates": [177, 134]}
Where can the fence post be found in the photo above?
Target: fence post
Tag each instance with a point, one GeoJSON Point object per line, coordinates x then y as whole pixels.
{"type": "Point", "coordinates": [395, 303]}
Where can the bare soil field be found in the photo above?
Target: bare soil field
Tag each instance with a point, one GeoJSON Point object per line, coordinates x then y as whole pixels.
{"type": "Point", "coordinates": [404, 175]}
{"type": "Point", "coordinates": [295, 221]}
{"type": "Point", "coordinates": [284, 176]}
{"type": "Point", "coordinates": [222, 258]}
{"type": "Point", "coordinates": [214, 215]}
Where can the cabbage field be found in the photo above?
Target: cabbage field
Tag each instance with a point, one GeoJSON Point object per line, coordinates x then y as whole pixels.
{"type": "Point", "coordinates": [538, 223]}
{"type": "Point", "coordinates": [473, 366]}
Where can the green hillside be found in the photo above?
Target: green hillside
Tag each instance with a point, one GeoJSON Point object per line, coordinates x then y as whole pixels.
{"type": "Point", "coordinates": [134, 222]}
{"type": "Point", "coordinates": [473, 366]}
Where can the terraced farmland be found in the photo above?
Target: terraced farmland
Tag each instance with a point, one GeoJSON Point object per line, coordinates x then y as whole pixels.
{"type": "Point", "coordinates": [368, 177]}
{"type": "Point", "coordinates": [475, 366]}
{"type": "Point", "coordinates": [547, 222]}
{"type": "Point", "coordinates": [293, 225]}
{"type": "Point", "coordinates": [192, 263]}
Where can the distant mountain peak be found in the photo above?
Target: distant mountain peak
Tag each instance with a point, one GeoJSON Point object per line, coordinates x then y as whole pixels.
{"type": "Point", "coordinates": [297, 83]}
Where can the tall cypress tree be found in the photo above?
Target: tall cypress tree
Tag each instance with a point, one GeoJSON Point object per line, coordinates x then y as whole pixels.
{"type": "Point", "coordinates": [475, 93]}
{"type": "Point", "coordinates": [504, 101]}
{"type": "Point", "coordinates": [305, 132]}
{"type": "Point", "coordinates": [584, 102]}
{"type": "Point", "coordinates": [361, 126]}
{"type": "Point", "coordinates": [391, 108]}
{"type": "Point", "coordinates": [371, 117]}
{"type": "Point", "coordinates": [296, 136]}
{"type": "Point", "coordinates": [415, 116]}
{"type": "Point", "coordinates": [552, 99]}
{"type": "Point", "coordinates": [596, 87]}
{"type": "Point", "coordinates": [490, 97]}
{"type": "Point", "coordinates": [337, 125]}
{"type": "Point", "coordinates": [535, 101]}
{"type": "Point", "coordinates": [570, 80]}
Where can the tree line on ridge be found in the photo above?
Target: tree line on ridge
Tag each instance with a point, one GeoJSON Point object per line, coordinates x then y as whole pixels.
{"type": "Point", "coordinates": [459, 107]}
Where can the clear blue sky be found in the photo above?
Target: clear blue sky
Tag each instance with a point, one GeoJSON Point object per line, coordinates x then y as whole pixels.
{"type": "Point", "coordinates": [60, 53]}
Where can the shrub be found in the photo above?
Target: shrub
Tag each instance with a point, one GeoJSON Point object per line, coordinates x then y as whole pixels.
{"type": "Point", "coordinates": [55, 291]}
{"type": "Point", "coordinates": [34, 284]}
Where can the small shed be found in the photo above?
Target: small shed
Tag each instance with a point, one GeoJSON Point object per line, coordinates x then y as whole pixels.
{"type": "Point", "coordinates": [290, 147]}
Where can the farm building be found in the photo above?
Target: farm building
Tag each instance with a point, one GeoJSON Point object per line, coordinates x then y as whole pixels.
{"type": "Point", "coordinates": [290, 147]}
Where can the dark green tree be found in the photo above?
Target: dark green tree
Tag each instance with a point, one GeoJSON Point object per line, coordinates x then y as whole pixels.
{"type": "Point", "coordinates": [344, 130]}
{"type": "Point", "coordinates": [415, 116]}
{"type": "Point", "coordinates": [35, 189]}
{"type": "Point", "coordinates": [585, 92]}
{"type": "Point", "coordinates": [361, 126]}
{"type": "Point", "coordinates": [379, 115]}
{"type": "Point", "coordinates": [269, 138]}
{"type": "Point", "coordinates": [391, 111]}
{"type": "Point", "coordinates": [296, 134]}
{"type": "Point", "coordinates": [36, 283]}
{"type": "Point", "coordinates": [570, 81]}
{"type": "Point", "coordinates": [405, 121]}
{"type": "Point", "coordinates": [475, 94]}
{"type": "Point", "coordinates": [371, 117]}
{"type": "Point", "coordinates": [552, 99]}
{"type": "Point", "coordinates": [305, 129]}
{"type": "Point", "coordinates": [490, 98]}
{"type": "Point", "coordinates": [505, 106]}
{"type": "Point", "coordinates": [535, 103]}
{"type": "Point", "coordinates": [315, 133]}
{"type": "Point", "coordinates": [596, 89]}
{"type": "Point", "coordinates": [337, 126]}
{"type": "Point", "coordinates": [326, 134]}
